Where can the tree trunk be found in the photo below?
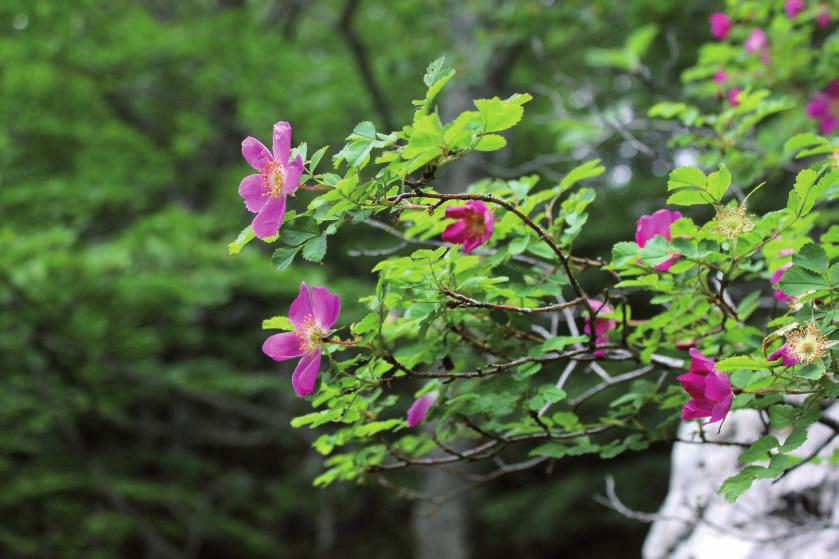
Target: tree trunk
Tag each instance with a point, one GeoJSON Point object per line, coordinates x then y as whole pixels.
{"type": "Point", "coordinates": [795, 517]}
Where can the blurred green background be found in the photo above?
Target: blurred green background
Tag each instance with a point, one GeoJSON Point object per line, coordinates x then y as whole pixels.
{"type": "Point", "coordinates": [138, 416]}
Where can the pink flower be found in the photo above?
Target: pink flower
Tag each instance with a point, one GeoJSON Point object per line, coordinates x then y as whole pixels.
{"type": "Point", "coordinates": [777, 275]}
{"type": "Point", "coordinates": [720, 24]}
{"type": "Point", "coordinates": [474, 227]}
{"type": "Point", "coordinates": [312, 313]}
{"type": "Point", "coordinates": [265, 192]}
{"type": "Point", "coordinates": [786, 251]}
{"type": "Point", "coordinates": [824, 107]}
{"type": "Point", "coordinates": [784, 353]}
{"type": "Point", "coordinates": [710, 390]}
{"type": "Point", "coordinates": [793, 7]}
{"type": "Point", "coordinates": [419, 409]}
{"type": "Point", "coordinates": [720, 76]}
{"type": "Point", "coordinates": [757, 41]}
{"type": "Point", "coordinates": [823, 17]}
{"type": "Point", "coordinates": [601, 325]}
{"type": "Point", "coordinates": [734, 96]}
{"type": "Point", "coordinates": [648, 226]}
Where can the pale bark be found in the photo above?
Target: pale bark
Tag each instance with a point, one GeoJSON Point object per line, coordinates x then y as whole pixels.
{"type": "Point", "coordinates": [796, 517]}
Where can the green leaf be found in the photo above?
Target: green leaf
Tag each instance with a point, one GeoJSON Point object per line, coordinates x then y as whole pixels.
{"type": "Point", "coordinates": [812, 257]}
{"type": "Point", "coordinates": [356, 152]}
{"type": "Point", "coordinates": [490, 142]}
{"type": "Point", "coordinates": [315, 249]}
{"type": "Point", "coordinates": [277, 323]}
{"type": "Point", "coordinates": [283, 257]}
{"type": "Point", "coordinates": [741, 362]}
{"type": "Point", "coordinates": [686, 176]}
{"type": "Point", "coordinates": [781, 415]}
{"type": "Point", "coordinates": [501, 114]}
{"type": "Point", "coordinates": [299, 232]}
{"type": "Point", "coordinates": [736, 485]}
{"type": "Point", "coordinates": [718, 182]}
{"type": "Point", "coordinates": [587, 170]}
{"type": "Point", "coordinates": [624, 253]}
{"type": "Point", "coordinates": [689, 197]}
{"type": "Point", "coordinates": [759, 449]}
{"type": "Point", "coordinates": [797, 281]}
{"type": "Point", "coordinates": [244, 237]}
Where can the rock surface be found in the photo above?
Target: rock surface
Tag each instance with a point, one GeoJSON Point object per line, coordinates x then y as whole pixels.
{"type": "Point", "coordinates": [796, 517]}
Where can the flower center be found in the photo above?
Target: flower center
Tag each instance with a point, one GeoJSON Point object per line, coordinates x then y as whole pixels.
{"type": "Point", "coordinates": [731, 222]}
{"type": "Point", "coordinates": [273, 179]}
{"type": "Point", "coordinates": [475, 226]}
{"type": "Point", "coordinates": [311, 334]}
{"type": "Point", "coordinates": [807, 345]}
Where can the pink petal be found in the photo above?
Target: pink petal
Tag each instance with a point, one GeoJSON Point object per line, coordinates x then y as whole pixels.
{"type": "Point", "coordinates": [818, 106]}
{"type": "Point", "coordinates": [252, 190]}
{"type": "Point", "coordinates": [695, 409]}
{"type": "Point", "coordinates": [693, 384]}
{"type": "Point", "coordinates": [664, 266]}
{"type": "Point", "coordinates": [786, 252]}
{"type": "Point", "coordinates": [267, 222]}
{"type": "Point", "coordinates": [793, 7]}
{"type": "Point", "coordinates": [720, 410]}
{"type": "Point", "coordinates": [419, 409]}
{"type": "Point", "coordinates": [832, 89]}
{"type": "Point", "coordinates": [470, 244]}
{"type": "Point", "coordinates": [720, 76]}
{"type": "Point", "coordinates": [301, 307]}
{"type": "Point", "coordinates": [720, 24]}
{"type": "Point", "coordinates": [756, 41]}
{"type": "Point", "coordinates": [255, 153]}
{"type": "Point", "coordinates": [281, 347]}
{"type": "Point", "coordinates": [788, 360]}
{"type": "Point", "coordinates": [326, 307]}
{"type": "Point", "coordinates": [699, 363]}
{"type": "Point", "coordinates": [458, 212]}
{"type": "Point", "coordinates": [717, 386]}
{"type": "Point", "coordinates": [828, 124]}
{"type": "Point", "coordinates": [782, 297]}
{"type": "Point", "coordinates": [648, 226]}
{"type": "Point", "coordinates": [823, 18]}
{"type": "Point", "coordinates": [281, 141]}
{"type": "Point", "coordinates": [455, 233]}
{"type": "Point", "coordinates": [293, 172]}
{"type": "Point", "coordinates": [778, 274]}
{"type": "Point", "coordinates": [305, 375]}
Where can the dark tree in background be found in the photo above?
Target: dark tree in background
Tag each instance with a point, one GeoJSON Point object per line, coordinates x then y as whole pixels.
{"type": "Point", "coordinates": [139, 418]}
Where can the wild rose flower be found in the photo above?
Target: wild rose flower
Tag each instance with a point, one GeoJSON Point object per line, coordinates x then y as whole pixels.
{"type": "Point", "coordinates": [756, 41]}
{"type": "Point", "coordinates": [312, 313]}
{"type": "Point", "coordinates": [601, 325]}
{"type": "Point", "coordinates": [648, 226]}
{"type": "Point", "coordinates": [824, 107]}
{"type": "Point", "coordinates": [265, 192]}
{"type": "Point", "coordinates": [733, 96]}
{"type": "Point", "coordinates": [793, 7]}
{"type": "Point", "coordinates": [709, 389]}
{"type": "Point", "coordinates": [419, 409]}
{"type": "Point", "coordinates": [777, 275]}
{"type": "Point", "coordinates": [823, 17]}
{"type": "Point", "coordinates": [720, 25]}
{"type": "Point", "coordinates": [785, 354]}
{"type": "Point", "coordinates": [806, 344]}
{"type": "Point", "coordinates": [474, 225]}
{"type": "Point", "coordinates": [720, 76]}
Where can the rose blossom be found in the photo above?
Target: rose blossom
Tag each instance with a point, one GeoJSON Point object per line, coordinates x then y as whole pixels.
{"type": "Point", "coordinates": [265, 192]}
{"type": "Point", "coordinates": [824, 107]}
{"type": "Point", "coordinates": [648, 226]}
{"type": "Point", "coordinates": [720, 25]}
{"type": "Point", "coordinates": [601, 325]}
{"type": "Point", "coordinates": [474, 225]}
{"type": "Point", "coordinates": [419, 409]}
{"type": "Point", "coordinates": [312, 314]}
{"type": "Point", "coordinates": [709, 389]}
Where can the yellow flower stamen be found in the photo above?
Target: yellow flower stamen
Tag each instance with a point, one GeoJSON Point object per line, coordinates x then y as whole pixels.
{"type": "Point", "coordinates": [806, 344]}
